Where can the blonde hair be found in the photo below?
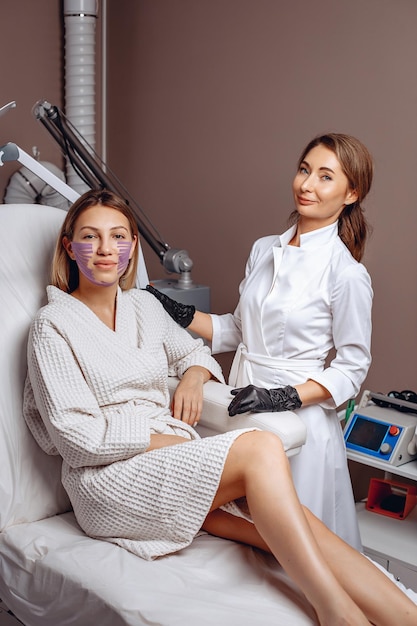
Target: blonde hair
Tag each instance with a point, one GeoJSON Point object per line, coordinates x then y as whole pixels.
{"type": "Point", "coordinates": [64, 272]}
{"type": "Point", "coordinates": [356, 163]}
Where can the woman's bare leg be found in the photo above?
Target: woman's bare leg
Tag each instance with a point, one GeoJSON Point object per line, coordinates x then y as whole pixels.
{"type": "Point", "coordinates": [364, 582]}
{"type": "Point", "coordinates": [258, 468]}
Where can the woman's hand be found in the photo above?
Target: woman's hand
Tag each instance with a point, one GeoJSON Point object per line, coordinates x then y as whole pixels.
{"type": "Point", "coordinates": [187, 403]}
{"type": "Point", "coordinates": [185, 314]}
{"type": "Point", "coordinates": [181, 313]}
{"type": "Point", "coordinates": [287, 398]}
{"type": "Point", "coordinates": [262, 400]}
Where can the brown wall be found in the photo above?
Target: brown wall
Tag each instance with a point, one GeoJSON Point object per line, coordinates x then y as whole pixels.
{"type": "Point", "coordinates": [209, 104]}
{"type": "Point", "coordinates": [31, 69]}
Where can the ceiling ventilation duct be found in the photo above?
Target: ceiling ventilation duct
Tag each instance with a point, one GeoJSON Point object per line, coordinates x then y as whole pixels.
{"type": "Point", "coordinates": [80, 29]}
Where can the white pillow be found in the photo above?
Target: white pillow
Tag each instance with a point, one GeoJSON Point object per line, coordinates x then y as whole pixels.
{"type": "Point", "coordinates": [30, 480]}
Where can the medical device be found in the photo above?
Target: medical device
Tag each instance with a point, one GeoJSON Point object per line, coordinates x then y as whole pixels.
{"type": "Point", "coordinates": [383, 432]}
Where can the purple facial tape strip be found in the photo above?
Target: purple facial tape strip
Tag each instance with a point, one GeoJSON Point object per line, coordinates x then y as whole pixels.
{"type": "Point", "coordinates": [124, 248]}
{"type": "Point", "coordinates": [83, 253]}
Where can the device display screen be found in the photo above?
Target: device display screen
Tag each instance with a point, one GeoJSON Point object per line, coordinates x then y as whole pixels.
{"type": "Point", "coordinates": [367, 434]}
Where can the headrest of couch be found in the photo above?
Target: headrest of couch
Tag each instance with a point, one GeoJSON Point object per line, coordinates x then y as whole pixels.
{"type": "Point", "coordinates": [30, 485]}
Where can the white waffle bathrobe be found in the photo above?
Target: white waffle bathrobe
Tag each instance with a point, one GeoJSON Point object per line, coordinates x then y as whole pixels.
{"type": "Point", "coordinates": [95, 396]}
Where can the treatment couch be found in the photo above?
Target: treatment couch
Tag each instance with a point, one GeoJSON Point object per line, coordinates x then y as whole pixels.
{"type": "Point", "coordinates": [51, 573]}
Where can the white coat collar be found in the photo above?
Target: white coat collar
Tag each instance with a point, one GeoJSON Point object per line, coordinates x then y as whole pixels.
{"type": "Point", "coordinates": [314, 239]}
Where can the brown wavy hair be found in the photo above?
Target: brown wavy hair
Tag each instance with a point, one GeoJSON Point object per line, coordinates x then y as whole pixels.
{"type": "Point", "coordinates": [357, 165]}
{"type": "Point", "coordinates": [64, 272]}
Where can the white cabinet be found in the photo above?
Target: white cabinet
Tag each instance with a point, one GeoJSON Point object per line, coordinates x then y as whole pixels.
{"type": "Point", "coordinates": [391, 542]}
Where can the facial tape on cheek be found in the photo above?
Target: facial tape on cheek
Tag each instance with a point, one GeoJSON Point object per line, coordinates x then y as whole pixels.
{"type": "Point", "coordinates": [124, 248]}
{"type": "Point", "coordinates": [83, 252]}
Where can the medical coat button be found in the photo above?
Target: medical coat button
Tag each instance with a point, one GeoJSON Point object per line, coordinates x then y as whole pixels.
{"type": "Point", "coordinates": [385, 448]}
{"type": "Point", "coordinates": [394, 431]}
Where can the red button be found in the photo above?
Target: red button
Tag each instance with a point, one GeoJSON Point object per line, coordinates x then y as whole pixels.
{"type": "Point", "coordinates": [394, 431]}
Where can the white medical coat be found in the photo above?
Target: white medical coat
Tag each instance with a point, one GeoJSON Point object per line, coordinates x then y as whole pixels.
{"type": "Point", "coordinates": [296, 305]}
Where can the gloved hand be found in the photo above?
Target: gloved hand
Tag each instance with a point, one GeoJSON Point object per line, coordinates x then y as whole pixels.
{"type": "Point", "coordinates": [181, 313]}
{"type": "Point", "coordinates": [261, 400]}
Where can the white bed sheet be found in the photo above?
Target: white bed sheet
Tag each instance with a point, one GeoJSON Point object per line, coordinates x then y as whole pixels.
{"type": "Point", "coordinates": [214, 581]}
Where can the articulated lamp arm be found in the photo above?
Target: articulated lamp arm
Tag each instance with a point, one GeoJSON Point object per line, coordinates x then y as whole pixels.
{"type": "Point", "coordinates": [92, 171]}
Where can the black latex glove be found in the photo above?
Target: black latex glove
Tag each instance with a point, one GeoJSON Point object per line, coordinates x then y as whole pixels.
{"type": "Point", "coordinates": [181, 313]}
{"type": "Point", "coordinates": [261, 400]}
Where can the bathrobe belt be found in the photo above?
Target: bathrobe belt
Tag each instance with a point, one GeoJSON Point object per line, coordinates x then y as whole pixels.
{"type": "Point", "coordinates": [241, 369]}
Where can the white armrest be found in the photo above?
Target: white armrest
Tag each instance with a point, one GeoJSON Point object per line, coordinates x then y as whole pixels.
{"type": "Point", "coordinates": [215, 418]}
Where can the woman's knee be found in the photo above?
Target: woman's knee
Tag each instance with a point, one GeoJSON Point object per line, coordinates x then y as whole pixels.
{"type": "Point", "coordinates": [260, 445]}
{"type": "Point", "coordinates": [250, 452]}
